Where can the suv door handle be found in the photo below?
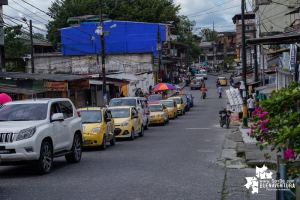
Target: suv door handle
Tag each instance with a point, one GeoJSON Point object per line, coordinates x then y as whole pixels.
{"type": "Point", "coordinates": [64, 124]}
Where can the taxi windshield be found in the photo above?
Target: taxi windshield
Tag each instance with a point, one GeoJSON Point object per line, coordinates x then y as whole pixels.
{"type": "Point", "coordinates": [177, 101]}
{"type": "Point", "coordinates": [184, 98]}
{"type": "Point", "coordinates": [168, 104]}
{"type": "Point", "coordinates": [155, 108]}
{"type": "Point", "coordinates": [122, 102]}
{"type": "Point", "coordinates": [91, 116]}
{"type": "Point", "coordinates": [120, 112]}
{"type": "Point", "coordinates": [221, 78]}
{"type": "Point", "coordinates": [155, 98]}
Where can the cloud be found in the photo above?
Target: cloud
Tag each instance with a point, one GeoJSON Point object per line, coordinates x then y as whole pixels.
{"type": "Point", "coordinates": [207, 12]}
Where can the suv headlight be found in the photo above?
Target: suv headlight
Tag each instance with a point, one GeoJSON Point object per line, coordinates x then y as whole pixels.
{"type": "Point", "coordinates": [95, 131]}
{"type": "Point", "coordinates": [26, 133]}
{"type": "Point", "coordinates": [160, 115]}
{"type": "Point", "coordinates": [125, 123]}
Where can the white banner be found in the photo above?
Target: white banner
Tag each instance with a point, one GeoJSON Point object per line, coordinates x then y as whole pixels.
{"type": "Point", "coordinates": [293, 53]}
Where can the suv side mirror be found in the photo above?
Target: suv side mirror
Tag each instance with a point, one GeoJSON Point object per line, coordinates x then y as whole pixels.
{"type": "Point", "coordinates": [108, 119]}
{"type": "Point", "coordinates": [57, 117]}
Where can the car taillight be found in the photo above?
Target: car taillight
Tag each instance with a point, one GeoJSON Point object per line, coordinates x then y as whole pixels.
{"type": "Point", "coordinates": [78, 113]}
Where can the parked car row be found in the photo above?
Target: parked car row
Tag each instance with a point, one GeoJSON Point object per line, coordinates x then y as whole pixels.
{"type": "Point", "coordinates": [38, 130]}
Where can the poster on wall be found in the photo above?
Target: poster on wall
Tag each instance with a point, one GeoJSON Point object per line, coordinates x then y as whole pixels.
{"type": "Point", "coordinates": [56, 86]}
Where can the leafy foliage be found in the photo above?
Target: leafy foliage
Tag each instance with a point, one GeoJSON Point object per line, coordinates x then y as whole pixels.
{"type": "Point", "coordinates": [14, 48]}
{"type": "Point", "coordinates": [208, 35]}
{"type": "Point", "coordinates": [277, 124]}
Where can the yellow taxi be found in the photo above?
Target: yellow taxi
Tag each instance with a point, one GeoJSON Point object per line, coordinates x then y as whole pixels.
{"type": "Point", "coordinates": [159, 114]}
{"type": "Point", "coordinates": [98, 127]}
{"type": "Point", "coordinates": [172, 108]}
{"type": "Point", "coordinates": [223, 80]}
{"type": "Point", "coordinates": [180, 104]}
{"type": "Point", "coordinates": [128, 122]}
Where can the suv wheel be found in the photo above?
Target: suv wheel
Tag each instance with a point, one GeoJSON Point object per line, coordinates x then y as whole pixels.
{"type": "Point", "coordinates": [141, 134]}
{"type": "Point", "coordinates": [147, 125]}
{"type": "Point", "coordinates": [75, 156]}
{"type": "Point", "coordinates": [113, 141]}
{"type": "Point", "coordinates": [45, 162]}
{"type": "Point", "coordinates": [103, 145]}
{"type": "Point", "coordinates": [132, 134]}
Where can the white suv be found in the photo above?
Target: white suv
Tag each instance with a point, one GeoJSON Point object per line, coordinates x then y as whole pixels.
{"type": "Point", "coordinates": [36, 131]}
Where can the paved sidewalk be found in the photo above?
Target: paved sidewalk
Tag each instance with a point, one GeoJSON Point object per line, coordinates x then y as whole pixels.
{"type": "Point", "coordinates": [239, 154]}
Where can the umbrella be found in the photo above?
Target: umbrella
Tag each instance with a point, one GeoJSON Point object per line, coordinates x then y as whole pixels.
{"type": "Point", "coordinates": [163, 87]}
{"type": "Point", "coordinates": [160, 84]}
{"type": "Point", "coordinates": [4, 98]}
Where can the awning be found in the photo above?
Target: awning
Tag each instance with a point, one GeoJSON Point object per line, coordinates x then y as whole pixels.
{"type": "Point", "coordinates": [279, 50]}
{"type": "Point", "coordinates": [49, 77]}
{"type": "Point", "coordinates": [116, 83]}
{"type": "Point", "coordinates": [284, 38]}
{"type": "Point", "coordinates": [15, 90]}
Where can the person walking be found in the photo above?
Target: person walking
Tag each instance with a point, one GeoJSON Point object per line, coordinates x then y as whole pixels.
{"type": "Point", "coordinates": [217, 82]}
{"type": "Point", "coordinates": [220, 90]}
{"type": "Point", "coordinates": [251, 105]}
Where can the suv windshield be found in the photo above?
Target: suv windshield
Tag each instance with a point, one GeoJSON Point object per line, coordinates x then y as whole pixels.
{"type": "Point", "coordinates": [189, 96]}
{"type": "Point", "coordinates": [23, 112]}
{"type": "Point", "coordinates": [199, 75]}
{"type": "Point", "coordinates": [155, 98]}
{"type": "Point", "coordinates": [122, 102]}
{"type": "Point", "coordinates": [168, 104]}
{"type": "Point", "coordinates": [91, 116]}
{"type": "Point", "coordinates": [120, 112]}
{"type": "Point", "coordinates": [155, 108]}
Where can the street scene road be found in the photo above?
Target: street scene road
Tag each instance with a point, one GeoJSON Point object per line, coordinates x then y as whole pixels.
{"type": "Point", "coordinates": [169, 162]}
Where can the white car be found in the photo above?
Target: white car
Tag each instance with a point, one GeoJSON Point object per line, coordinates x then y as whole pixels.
{"type": "Point", "coordinates": [140, 103]}
{"type": "Point", "coordinates": [203, 71]}
{"type": "Point", "coordinates": [199, 76]}
{"type": "Point", "coordinates": [36, 131]}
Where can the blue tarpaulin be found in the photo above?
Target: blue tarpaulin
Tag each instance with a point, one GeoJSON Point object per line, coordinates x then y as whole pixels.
{"type": "Point", "coordinates": [126, 37]}
{"type": "Point", "coordinates": [204, 64]}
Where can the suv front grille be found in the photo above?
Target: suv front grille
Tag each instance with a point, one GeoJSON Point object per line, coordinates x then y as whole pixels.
{"type": "Point", "coordinates": [6, 137]}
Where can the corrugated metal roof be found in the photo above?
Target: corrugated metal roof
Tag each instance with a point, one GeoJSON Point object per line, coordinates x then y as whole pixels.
{"type": "Point", "coordinates": [13, 89]}
{"type": "Point", "coordinates": [123, 76]}
{"type": "Point", "coordinates": [49, 77]}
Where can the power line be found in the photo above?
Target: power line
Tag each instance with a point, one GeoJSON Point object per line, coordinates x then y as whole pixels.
{"type": "Point", "coordinates": [25, 14]}
{"type": "Point", "coordinates": [38, 8]}
{"type": "Point", "coordinates": [217, 11]}
{"type": "Point", "coordinates": [210, 8]}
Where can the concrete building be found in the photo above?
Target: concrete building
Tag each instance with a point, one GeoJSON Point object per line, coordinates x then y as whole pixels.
{"type": "Point", "coordinates": [226, 46]}
{"type": "Point", "coordinates": [273, 17]}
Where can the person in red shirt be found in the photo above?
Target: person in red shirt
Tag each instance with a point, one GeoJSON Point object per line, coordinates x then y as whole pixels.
{"type": "Point", "coordinates": [203, 89]}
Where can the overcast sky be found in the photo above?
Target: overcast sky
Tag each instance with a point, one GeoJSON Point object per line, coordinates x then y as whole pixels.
{"type": "Point", "coordinates": [204, 12]}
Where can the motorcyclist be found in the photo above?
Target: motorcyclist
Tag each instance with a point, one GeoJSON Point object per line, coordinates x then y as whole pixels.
{"type": "Point", "coordinates": [203, 91]}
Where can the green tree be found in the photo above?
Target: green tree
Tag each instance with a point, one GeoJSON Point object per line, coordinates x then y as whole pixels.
{"type": "Point", "coordinates": [130, 10]}
{"type": "Point", "coordinates": [14, 48]}
{"type": "Point", "coordinates": [208, 35]}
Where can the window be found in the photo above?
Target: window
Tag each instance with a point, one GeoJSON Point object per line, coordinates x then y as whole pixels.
{"type": "Point", "coordinates": [91, 116]}
{"type": "Point", "coordinates": [164, 107]}
{"type": "Point", "coordinates": [66, 109]}
{"type": "Point", "coordinates": [23, 112]}
{"type": "Point", "coordinates": [120, 112]}
{"type": "Point", "coordinates": [132, 112]}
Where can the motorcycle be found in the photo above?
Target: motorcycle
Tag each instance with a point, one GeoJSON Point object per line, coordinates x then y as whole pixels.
{"type": "Point", "coordinates": [225, 117]}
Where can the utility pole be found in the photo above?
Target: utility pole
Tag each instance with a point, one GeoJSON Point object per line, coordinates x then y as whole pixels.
{"type": "Point", "coordinates": [159, 50]}
{"type": "Point", "coordinates": [213, 44]}
{"type": "Point", "coordinates": [102, 55]}
{"type": "Point", "coordinates": [245, 114]}
{"type": "Point", "coordinates": [188, 53]}
{"type": "Point", "coordinates": [255, 60]}
{"type": "Point", "coordinates": [31, 47]}
{"type": "Point", "coordinates": [2, 55]}
{"type": "Point", "coordinates": [263, 64]}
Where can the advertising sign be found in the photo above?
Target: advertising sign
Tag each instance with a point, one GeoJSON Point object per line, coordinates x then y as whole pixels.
{"type": "Point", "coordinates": [248, 21]}
{"type": "Point", "coordinates": [56, 86]}
{"type": "Point", "coordinates": [80, 85]}
{"type": "Point", "coordinates": [234, 119]}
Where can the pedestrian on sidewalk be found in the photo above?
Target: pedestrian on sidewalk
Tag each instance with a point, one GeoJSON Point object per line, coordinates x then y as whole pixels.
{"type": "Point", "coordinates": [220, 90]}
{"type": "Point", "coordinates": [251, 105]}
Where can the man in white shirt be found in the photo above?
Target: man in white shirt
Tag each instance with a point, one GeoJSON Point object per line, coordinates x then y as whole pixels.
{"type": "Point", "coordinates": [251, 105]}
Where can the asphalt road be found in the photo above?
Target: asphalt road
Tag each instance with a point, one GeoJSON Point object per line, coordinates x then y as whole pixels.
{"type": "Point", "coordinates": [169, 162]}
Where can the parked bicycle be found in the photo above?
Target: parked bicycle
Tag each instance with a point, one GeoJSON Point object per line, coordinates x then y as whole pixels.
{"type": "Point", "coordinates": [225, 117]}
